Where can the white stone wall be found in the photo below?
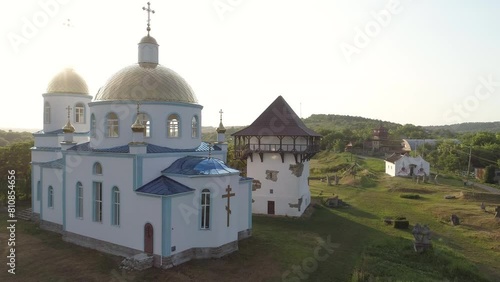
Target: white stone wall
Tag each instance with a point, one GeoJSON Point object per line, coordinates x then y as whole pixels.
{"type": "Point", "coordinates": [52, 177]}
{"type": "Point", "coordinates": [390, 168]}
{"type": "Point", "coordinates": [158, 114]}
{"type": "Point", "coordinates": [34, 193]}
{"type": "Point", "coordinates": [186, 213]}
{"type": "Point", "coordinates": [286, 190]}
{"type": "Point", "coordinates": [135, 211]}
{"type": "Point", "coordinates": [59, 114]}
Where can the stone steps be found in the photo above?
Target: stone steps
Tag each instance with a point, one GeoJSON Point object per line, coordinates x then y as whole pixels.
{"type": "Point", "coordinates": [24, 214]}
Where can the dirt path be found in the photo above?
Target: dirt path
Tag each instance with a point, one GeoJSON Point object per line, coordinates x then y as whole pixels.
{"type": "Point", "coordinates": [485, 187]}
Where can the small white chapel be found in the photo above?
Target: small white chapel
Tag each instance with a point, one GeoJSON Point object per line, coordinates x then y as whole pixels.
{"type": "Point", "coordinates": [126, 172]}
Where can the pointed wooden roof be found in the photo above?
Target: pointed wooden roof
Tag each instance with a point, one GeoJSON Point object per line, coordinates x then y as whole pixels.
{"type": "Point", "coordinates": [277, 120]}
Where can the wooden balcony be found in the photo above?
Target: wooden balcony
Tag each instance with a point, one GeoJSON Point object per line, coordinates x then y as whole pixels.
{"type": "Point", "coordinates": [301, 152]}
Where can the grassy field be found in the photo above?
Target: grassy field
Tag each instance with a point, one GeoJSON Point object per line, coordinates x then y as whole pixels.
{"type": "Point", "coordinates": [344, 244]}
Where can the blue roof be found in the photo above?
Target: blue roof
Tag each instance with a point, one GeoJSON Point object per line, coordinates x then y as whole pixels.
{"type": "Point", "coordinates": [54, 164]}
{"type": "Point", "coordinates": [59, 131]}
{"type": "Point", "coordinates": [163, 186]}
{"type": "Point", "coordinates": [151, 149]}
{"type": "Point", "coordinates": [191, 165]}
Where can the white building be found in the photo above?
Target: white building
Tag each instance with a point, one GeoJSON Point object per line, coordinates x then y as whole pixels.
{"type": "Point", "coordinates": [277, 148]}
{"type": "Point", "coordinates": [127, 172]}
{"type": "Point", "coordinates": [404, 165]}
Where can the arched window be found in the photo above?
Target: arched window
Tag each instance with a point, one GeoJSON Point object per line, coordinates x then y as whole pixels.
{"type": "Point", "coordinates": [92, 126]}
{"type": "Point", "coordinates": [79, 200]}
{"type": "Point", "coordinates": [194, 127]}
{"type": "Point", "coordinates": [205, 209]}
{"type": "Point", "coordinates": [115, 206]}
{"type": "Point", "coordinates": [97, 202]}
{"type": "Point", "coordinates": [50, 200]}
{"type": "Point", "coordinates": [46, 113]}
{"type": "Point", "coordinates": [112, 125]}
{"type": "Point", "coordinates": [97, 168]}
{"type": "Point", "coordinates": [173, 125]}
{"type": "Point", "coordinates": [80, 113]}
{"type": "Point", "coordinates": [146, 121]}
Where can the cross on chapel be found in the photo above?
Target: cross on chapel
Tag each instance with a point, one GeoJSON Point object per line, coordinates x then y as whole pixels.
{"type": "Point", "coordinates": [69, 111]}
{"type": "Point", "coordinates": [228, 195]}
{"type": "Point", "coordinates": [149, 15]}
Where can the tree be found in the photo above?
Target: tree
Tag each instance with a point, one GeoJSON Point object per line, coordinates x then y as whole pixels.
{"type": "Point", "coordinates": [17, 157]}
{"type": "Point", "coordinates": [484, 138]}
{"type": "Point", "coordinates": [489, 174]}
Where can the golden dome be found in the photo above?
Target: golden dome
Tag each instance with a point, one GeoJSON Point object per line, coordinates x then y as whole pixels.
{"type": "Point", "coordinates": [146, 82]}
{"type": "Point", "coordinates": [68, 128]}
{"type": "Point", "coordinates": [68, 81]}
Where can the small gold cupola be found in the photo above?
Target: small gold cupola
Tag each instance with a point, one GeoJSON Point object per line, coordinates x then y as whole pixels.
{"type": "Point", "coordinates": [68, 128]}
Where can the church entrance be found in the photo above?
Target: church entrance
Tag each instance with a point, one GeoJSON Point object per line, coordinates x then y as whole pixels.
{"type": "Point", "coordinates": [412, 169]}
{"type": "Point", "coordinates": [148, 238]}
{"type": "Point", "coordinates": [270, 207]}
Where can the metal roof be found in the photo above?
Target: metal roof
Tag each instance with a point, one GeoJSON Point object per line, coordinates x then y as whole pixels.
{"type": "Point", "coordinates": [192, 165]}
{"type": "Point", "coordinates": [68, 81]}
{"type": "Point", "coordinates": [163, 186]}
{"type": "Point", "coordinates": [59, 164]}
{"type": "Point", "coordinates": [278, 119]}
{"type": "Point", "coordinates": [151, 149]}
{"type": "Point", "coordinates": [146, 82]}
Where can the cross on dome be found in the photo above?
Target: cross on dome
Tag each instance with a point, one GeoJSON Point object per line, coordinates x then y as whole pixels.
{"type": "Point", "coordinates": [149, 16]}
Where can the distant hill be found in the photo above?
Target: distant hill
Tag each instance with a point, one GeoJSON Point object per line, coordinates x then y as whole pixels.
{"type": "Point", "coordinates": [468, 127]}
{"type": "Point", "coordinates": [341, 122]}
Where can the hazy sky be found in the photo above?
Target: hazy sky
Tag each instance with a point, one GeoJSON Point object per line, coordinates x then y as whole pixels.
{"type": "Point", "coordinates": [421, 62]}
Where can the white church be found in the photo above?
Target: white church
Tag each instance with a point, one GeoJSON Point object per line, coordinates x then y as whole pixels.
{"type": "Point", "coordinates": [406, 166]}
{"type": "Point", "coordinates": [126, 171]}
{"type": "Point", "coordinates": [277, 148]}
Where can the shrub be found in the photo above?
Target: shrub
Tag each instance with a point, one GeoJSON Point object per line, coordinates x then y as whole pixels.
{"type": "Point", "coordinates": [401, 223]}
{"type": "Point", "coordinates": [410, 196]}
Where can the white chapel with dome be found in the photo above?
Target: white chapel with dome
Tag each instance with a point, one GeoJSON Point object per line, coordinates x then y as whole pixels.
{"type": "Point", "coordinates": [126, 171]}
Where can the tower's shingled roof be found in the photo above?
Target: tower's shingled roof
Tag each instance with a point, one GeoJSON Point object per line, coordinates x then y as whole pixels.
{"type": "Point", "coordinates": [277, 120]}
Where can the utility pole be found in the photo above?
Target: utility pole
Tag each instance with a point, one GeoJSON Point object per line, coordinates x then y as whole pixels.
{"type": "Point", "coordinates": [468, 166]}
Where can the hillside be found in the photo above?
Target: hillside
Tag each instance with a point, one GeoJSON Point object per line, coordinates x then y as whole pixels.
{"type": "Point", "coordinates": [469, 127]}
{"type": "Point", "coordinates": [341, 122]}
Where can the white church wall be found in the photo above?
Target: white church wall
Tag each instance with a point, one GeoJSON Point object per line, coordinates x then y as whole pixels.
{"type": "Point", "coordinates": [59, 114]}
{"type": "Point", "coordinates": [153, 165]}
{"type": "Point", "coordinates": [47, 140]}
{"type": "Point", "coordinates": [45, 156]}
{"type": "Point", "coordinates": [185, 222]}
{"type": "Point", "coordinates": [390, 168]}
{"type": "Point", "coordinates": [244, 202]}
{"type": "Point", "coordinates": [52, 178]}
{"type": "Point", "coordinates": [213, 237]}
{"type": "Point", "coordinates": [36, 192]}
{"type": "Point", "coordinates": [158, 114]}
{"type": "Point", "coordinates": [135, 211]}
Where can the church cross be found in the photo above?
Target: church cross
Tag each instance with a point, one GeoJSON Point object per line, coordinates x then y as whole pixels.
{"type": "Point", "coordinates": [69, 110]}
{"type": "Point", "coordinates": [138, 105]}
{"type": "Point", "coordinates": [149, 15]}
{"type": "Point", "coordinates": [228, 196]}
{"type": "Point", "coordinates": [221, 112]}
